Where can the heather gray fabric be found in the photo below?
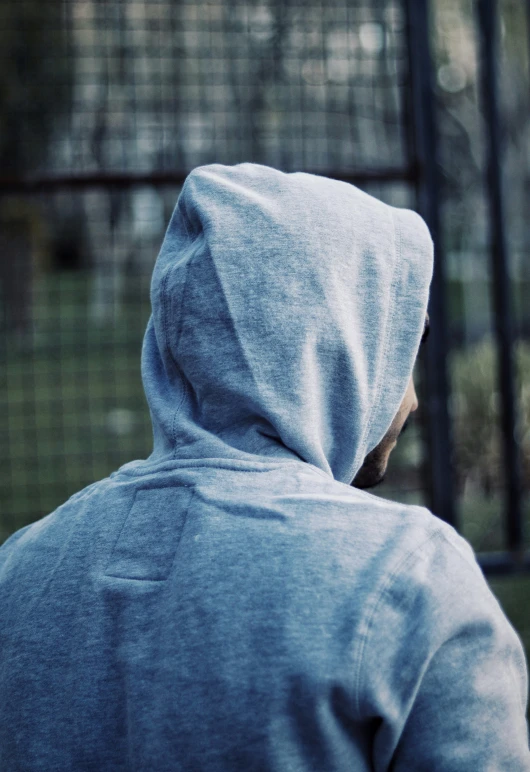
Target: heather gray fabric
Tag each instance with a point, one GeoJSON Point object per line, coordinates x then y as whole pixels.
{"type": "Point", "coordinates": [232, 603]}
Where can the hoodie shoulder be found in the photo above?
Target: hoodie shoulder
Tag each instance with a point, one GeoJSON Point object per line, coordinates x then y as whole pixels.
{"type": "Point", "coordinates": [441, 665]}
{"type": "Point", "coordinates": [407, 526]}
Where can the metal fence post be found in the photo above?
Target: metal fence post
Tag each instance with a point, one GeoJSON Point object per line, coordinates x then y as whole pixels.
{"type": "Point", "coordinates": [423, 148]}
{"type": "Point", "coordinates": [502, 301]}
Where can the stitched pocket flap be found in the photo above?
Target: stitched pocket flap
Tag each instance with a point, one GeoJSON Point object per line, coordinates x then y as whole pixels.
{"type": "Point", "coordinates": [151, 533]}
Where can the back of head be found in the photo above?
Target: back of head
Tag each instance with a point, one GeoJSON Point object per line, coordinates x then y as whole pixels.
{"type": "Point", "coordinates": [287, 315]}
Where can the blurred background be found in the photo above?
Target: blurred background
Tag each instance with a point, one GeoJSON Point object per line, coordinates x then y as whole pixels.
{"type": "Point", "coordinates": [105, 105]}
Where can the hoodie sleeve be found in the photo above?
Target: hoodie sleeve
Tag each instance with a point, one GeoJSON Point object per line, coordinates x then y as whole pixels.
{"type": "Point", "coordinates": [443, 672]}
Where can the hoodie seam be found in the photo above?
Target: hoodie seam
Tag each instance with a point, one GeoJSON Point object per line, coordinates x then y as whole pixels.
{"type": "Point", "coordinates": [231, 467]}
{"type": "Point", "coordinates": [387, 584]}
{"type": "Point", "coordinates": [184, 380]}
{"type": "Point", "coordinates": [389, 327]}
{"type": "Point", "coordinates": [164, 307]}
{"type": "Point", "coordinates": [165, 302]}
{"type": "Point", "coordinates": [168, 350]}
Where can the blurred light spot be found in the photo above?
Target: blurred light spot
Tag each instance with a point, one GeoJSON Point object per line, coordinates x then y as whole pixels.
{"type": "Point", "coordinates": [495, 402]}
{"type": "Point", "coordinates": [314, 72]}
{"type": "Point", "coordinates": [261, 23]}
{"type": "Point", "coordinates": [120, 421]}
{"type": "Point", "coordinates": [413, 452]}
{"type": "Point", "coordinates": [148, 213]}
{"type": "Point", "coordinates": [371, 37]}
{"type": "Point", "coordinates": [338, 70]}
{"type": "Point", "coordinates": [452, 78]}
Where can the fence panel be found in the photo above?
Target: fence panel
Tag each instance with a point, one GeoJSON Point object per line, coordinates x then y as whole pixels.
{"type": "Point", "coordinates": [98, 132]}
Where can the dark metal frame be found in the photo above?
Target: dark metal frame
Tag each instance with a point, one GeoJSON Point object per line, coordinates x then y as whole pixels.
{"type": "Point", "coordinates": [424, 145]}
{"type": "Point", "coordinates": [502, 300]}
{"type": "Point", "coordinates": [42, 182]}
{"type": "Point", "coordinates": [422, 171]}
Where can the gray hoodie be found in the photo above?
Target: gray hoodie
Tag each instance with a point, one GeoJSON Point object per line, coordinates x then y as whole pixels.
{"type": "Point", "coordinates": [232, 603]}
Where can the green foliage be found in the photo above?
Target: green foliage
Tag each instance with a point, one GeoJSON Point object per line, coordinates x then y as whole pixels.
{"type": "Point", "coordinates": [476, 416]}
{"type": "Point", "coordinates": [72, 399]}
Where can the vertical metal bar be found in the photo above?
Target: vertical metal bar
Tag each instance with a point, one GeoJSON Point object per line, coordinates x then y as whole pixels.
{"type": "Point", "coordinates": [504, 328]}
{"type": "Point", "coordinates": [528, 30]}
{"type": "Point", "coordinates": [423, 149]}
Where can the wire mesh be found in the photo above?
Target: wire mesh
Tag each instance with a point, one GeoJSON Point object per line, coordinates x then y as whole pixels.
{"type": "Point", "coordinates": [161, 84]}
{"type": "Point", "coordinates": [142, 88]}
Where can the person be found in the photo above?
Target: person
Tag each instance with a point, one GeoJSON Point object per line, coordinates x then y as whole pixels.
{"type": "Point", "coordinates": [237, 601]}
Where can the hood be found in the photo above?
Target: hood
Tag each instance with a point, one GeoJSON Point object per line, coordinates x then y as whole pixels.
{"type": "Point", "coordinates": [287, 313]}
